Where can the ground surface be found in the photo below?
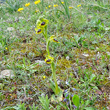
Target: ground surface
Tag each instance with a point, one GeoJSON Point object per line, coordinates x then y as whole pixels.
{"type": "Point", "coordinates": [82, 56]}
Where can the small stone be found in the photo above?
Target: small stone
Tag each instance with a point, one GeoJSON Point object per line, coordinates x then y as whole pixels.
{"type": "Point", "coordinates": [6, 74]}
{"type": "Point", "coordinates": [58, 82]}
{"type": "Point", "coordinates": [108, 53]}
{"type": "Point", "coordinates": [40, 62]}
{"type": "Point", "coordinates": [21, 17]}
{"type": "Point", "coordinates": [16, 19]}
{"type": "Point", "coordinates": [86, 55]}
{"type": "Point", "coordinates": [98, 55]}
{"type": "Point", "coordinates": [67, 82]}
{"type": "Point", "coordinates": [42, 94]}
{"type": "Point", "coordinates": [107, 28]}
{"type": "Point", "coordinates": [67, 58]}
{"type": "Point", "coordinates": [10, 29]}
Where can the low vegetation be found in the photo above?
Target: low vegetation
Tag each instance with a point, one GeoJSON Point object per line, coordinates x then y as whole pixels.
{"type": "Point", "coordinates": [55, 55]}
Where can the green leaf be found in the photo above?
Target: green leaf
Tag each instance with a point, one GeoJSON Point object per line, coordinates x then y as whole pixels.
{"type": "Point", "coordinates": [52, 85]}
{"type": "Point", "coordinates": [89, 108]}
{"type": "Point", "coordinates": [87, 102]}
{"type": "Point", "coordinates": [92, 77]}
{"type": "Point", "coordinates": [82, 102]}
{"type": "Point", "coordinates": [75, 100]}
{"type": "Point", "coordinates": [44, 102]}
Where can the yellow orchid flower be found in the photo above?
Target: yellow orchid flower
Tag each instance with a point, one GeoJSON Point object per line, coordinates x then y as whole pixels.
{"type": "Point", "coordinates": [38, 30]}
{"type": "Point", "coordinates": [49, 59]}
{"type": "Point", "coordinates": [53, 39]}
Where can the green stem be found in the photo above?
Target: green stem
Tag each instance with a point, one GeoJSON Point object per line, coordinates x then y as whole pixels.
{"type": "Point", "coordinates": [46, 31]}
{"type": "Point", "coordinates": [47, 48]}
{"type": "Point", "coordinates": [57, 90]}
{"type": "Point", "coordinates": [43, 5]}
{"type": "Point", "coordinates": [54, 77]}
{"type": "Point", "coordinates": [47, 42]}
{"type": "Point", "coordinates": [44, 36]}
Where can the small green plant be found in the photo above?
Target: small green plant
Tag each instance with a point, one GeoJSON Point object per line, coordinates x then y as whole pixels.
{"type": "Point", "coordinates": [76, 101]}
{"type": "Point", "coordinates": [89, 80]}
{"type": "Point", "coordinates": [42, 28]}
{"type": "Point", "coordinates": [12, 5]}
{"type": "Point", "coordinates": [79, 41]}
{"type": "Point", "coordinates": [33, 107]}
{"type": "Point", "coordinates": [65, 5]}
{"type": "Point", "coordinates": [0, 96]}
{"type": "Point", "coordinates": [22, 106]}
{"type": "Point", "coordinates": [45, 102]}
{"type": "Point", "coordinates": [18, 107]}
{"type": "Point", "coordinates": [82, 27]}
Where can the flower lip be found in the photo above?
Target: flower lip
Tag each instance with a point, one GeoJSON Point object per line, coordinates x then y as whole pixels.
{"type": "Point", "coordinates": [39, 30]}
{"type": "Point", "coordinates": [48, 60]}
{"type": "Point", "coordinates": [43, 23]}
{"type": "Point", "coordinates": [52, 38]}
{"type": "Point", "coordinates": [55, 40]}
